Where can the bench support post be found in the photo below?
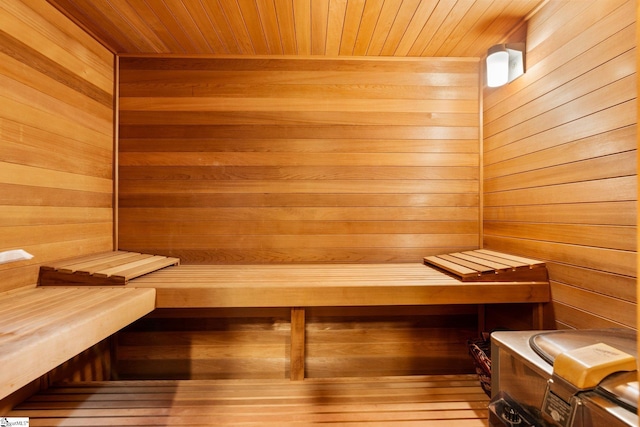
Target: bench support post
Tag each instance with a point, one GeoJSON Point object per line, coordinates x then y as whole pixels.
{"type": "Point", "coordinates": [297, 344]}
{"type": "Point", "coordinates": [481, 319]}
{"type": "Point", "coordinates": [538, 316]}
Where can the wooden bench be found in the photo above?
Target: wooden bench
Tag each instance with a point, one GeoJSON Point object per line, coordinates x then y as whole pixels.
{"type": "Point", "coordinates": [42, 327]}
{"type": "Point", "coordinates": [299, 287]}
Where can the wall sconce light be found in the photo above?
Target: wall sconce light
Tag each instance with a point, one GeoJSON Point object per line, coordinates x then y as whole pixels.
{"type": "Point", "coordinates": [505, 62]}
{"type": "Point", "coordinates": [14, 255]}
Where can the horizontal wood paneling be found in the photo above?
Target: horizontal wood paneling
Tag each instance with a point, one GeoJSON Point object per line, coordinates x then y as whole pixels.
{"type": "Point", "coordinates": [298, 160]}
{"type": "Point", "coordinates": [56, 145]}
{"type": "Point", "coordinates": [201, 344]}
{"type": "Point", "coordinates": [375, 342]}
{"type": "Point", "coordinates": [255, 343]}
{"type": "Point", "coordinates": [560, 169]}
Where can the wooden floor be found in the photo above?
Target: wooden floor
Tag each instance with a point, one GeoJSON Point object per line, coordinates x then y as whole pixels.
{"type": "Point", "coordinates": [392, 401]}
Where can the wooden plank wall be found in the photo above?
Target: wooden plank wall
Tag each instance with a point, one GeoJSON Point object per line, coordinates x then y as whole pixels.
{"type": "Point", "coordinates": [255, 343]}
{"type": "Point", "coordinates": [56, 139]}
{"type": "Point", "coordinates": [270, 160]}
{"type": "Point", "coordinates": [560, 160]}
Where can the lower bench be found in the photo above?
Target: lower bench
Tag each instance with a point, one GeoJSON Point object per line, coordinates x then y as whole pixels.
{"type": "Point", "coordinates": [42, 327]}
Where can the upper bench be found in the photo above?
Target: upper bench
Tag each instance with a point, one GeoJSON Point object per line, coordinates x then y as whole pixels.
{"type": "Point", "coordinates": [508, 280]}
{"type": "Point", "coordinates": [297, 286]}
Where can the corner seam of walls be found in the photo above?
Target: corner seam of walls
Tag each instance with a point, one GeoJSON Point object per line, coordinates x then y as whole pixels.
{"type": "Point", "coordinates": [480, 154]}
{"type": "Point", "coordinates": [116, 147]}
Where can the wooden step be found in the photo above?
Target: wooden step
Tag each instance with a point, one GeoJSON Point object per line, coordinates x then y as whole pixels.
{"type": "Point", "coordinates": [437, 401]}
{"type": "Point", "coordinates": [103, 269]}
{"type": "Point", "coordinates": [483, 265]}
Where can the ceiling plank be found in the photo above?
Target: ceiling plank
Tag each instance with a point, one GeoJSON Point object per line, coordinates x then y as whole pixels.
{"type": "Point", "coordinates": [383, 27]}
{"type": "Point", "coordinates": [415, 27]}
{"type": "Point", "coordinates": [225, 32]}
{"type": "Point", "coordinates": [335, 26]}
{"type": "Point", "coordinates": [352, 20]}
{"type": "Point", "coordinates": [269, 22]}
{"type": "Point", "coordinates": [396, 32]}
{"type": "Point", "coordinates": [319, 22]}
{"type": "Point", "coordinates": [302, 20]}
{"type": "Point", "coordinates": [250, 15]}
{"type": "Point", "coordinates": [370, 17]}
{"type": "Point", "coordinates": [286, 22]}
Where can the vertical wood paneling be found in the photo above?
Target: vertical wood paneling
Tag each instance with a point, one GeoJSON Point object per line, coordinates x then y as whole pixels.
{"type": "Point", "coordinates": [298, 160]}
{"type": "Point", "coordinates": [56, 139]}
{"type": "Point", "coordinates": [427, 28]}
{"type": "Point", "coordinates": [560, 172]}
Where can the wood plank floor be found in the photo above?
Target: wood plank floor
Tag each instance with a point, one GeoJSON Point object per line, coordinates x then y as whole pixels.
{"type": "Point", "coordinates": [371, 402]}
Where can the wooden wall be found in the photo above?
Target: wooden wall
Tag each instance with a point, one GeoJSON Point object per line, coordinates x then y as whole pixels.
{"type": "Point", "coordinates": [256, 343]}
{"type": "Point", "coordinates": [298, 160]}
{"type": "Point", "coordinates": [560, 160]}
{"type": "Point", "coordinates": [56, 139]}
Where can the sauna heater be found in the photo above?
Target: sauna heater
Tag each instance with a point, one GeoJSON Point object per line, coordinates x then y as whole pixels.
{"type": "Point", "coordinates": [551, 378]}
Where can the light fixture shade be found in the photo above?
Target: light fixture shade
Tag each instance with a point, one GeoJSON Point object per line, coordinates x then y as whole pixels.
{"type": "Point", "coordinates": [505, 62]}
{"type": "Point", "coordinates": [497, 66]}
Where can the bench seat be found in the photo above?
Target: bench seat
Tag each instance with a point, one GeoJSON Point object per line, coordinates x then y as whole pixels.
{"type": "Point", "coordinates": [300, 287]}
{"type": "Point", "coordinates": [42, 327]}
{"type": "Point", "coordinates": [335, 285]}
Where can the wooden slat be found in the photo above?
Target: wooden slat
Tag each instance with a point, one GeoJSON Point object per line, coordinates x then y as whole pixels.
{"type": "Point", "coordinates": [55, 265]}
{"type": "Point", "coordinates": [478, 268]}
{"type": "Point", "coordinates": [382, 402]}
{"type": "Point", "coordinates": [137, 268]}
{"type": "Point", "coordinates": [500, 262]}
{"type": "Point", "coordinates": [438, 261]}
{"type": "Point", "coordinates": [92, 265]}
{"type": "Point", "coordinates": [528, 262]}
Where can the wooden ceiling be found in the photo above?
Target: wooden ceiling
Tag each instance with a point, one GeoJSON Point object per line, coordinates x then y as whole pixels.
{"type": "Point", "coordinates": [403, 28]}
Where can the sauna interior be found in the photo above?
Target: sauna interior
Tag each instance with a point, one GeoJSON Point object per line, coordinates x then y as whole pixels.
{"type": "Point", "coordinates": [250, 135]}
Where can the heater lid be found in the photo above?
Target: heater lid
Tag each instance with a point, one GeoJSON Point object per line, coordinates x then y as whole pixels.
{"type": "Point", "coordinates": [621, 387]}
